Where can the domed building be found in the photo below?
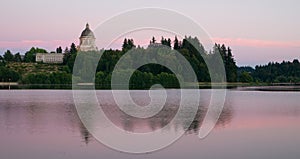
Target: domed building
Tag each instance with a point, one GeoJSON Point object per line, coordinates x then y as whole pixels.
{"type": "Point", "coordinates": [87, 40]}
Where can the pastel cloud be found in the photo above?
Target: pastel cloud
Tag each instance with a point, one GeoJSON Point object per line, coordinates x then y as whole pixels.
{"type": "Point", "coordinates": [257, 42]}
{"type": "Point", "coordinates": [25, 44]}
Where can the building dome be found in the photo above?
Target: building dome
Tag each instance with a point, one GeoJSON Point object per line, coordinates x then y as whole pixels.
{"type": "Point", "coordinates": [87, 40]}
{"type": "Point", "coordinates": [87, 32]}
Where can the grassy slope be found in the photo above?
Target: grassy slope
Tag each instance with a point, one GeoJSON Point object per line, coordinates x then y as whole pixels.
{"type": "Point", "coordinates": [26, 68]}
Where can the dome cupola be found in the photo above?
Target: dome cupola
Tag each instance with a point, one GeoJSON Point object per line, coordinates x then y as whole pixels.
{"type": "Point", "coordinates": [87, 40]}
{"type": "Point", "coordinates": [87, 32]}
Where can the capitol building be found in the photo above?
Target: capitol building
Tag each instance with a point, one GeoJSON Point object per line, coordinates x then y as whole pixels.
{"type": "Point", "coordinates": [87, 40]}
{"type": "Point", "coordinates": [87, 43]}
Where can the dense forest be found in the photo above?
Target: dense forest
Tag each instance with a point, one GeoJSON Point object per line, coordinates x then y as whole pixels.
{"type": "Point", "coordinates": [285, 72]}
{"type": "Point", "coordinates": [147, 75]}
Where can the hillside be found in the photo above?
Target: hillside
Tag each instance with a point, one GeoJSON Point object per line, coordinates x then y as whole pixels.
{"type": "Point", "coordinates": [27, 68]}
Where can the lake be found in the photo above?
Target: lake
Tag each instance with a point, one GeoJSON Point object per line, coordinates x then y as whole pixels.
{"type": "Point", "coordinates": [43, 124]}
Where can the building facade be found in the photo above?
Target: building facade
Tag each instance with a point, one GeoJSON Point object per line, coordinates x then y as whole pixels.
{"type": "Point", "coordinates": [49, 57]}
{"type": "Point", "coordinates": [87, 40]}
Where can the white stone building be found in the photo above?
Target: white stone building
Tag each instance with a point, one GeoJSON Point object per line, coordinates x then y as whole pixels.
{"type": "Point", "coordinates": [87, 40]}
{"type": "Point", "coordinates": [49, 57]}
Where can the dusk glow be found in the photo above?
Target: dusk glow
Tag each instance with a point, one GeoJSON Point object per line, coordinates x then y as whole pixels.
{"type": "Point", "coordinates": [159, 79]}
{"type": "Point", "coordinates": [248, 27]}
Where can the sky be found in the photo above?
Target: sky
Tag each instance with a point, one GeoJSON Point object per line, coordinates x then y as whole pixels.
{"type": "Point", "coordinates": [258, 31]}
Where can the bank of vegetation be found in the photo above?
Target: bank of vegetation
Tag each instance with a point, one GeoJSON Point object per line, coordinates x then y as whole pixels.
{"type": "Point", "coordinates": [25, 70]}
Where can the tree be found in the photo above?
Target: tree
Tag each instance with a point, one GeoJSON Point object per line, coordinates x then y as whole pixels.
{"type": "Point", "coordinates": [285, 71]}
{"type": "Point", "coordinates": [245, 77]}
{"type": "Point", "coordinates": [165, 41]}
{"type": "Point", "coordinates": [153, 41]}
{"type": "Point", "coordinates": [2, 62]}
{"type": "Point", "coordinates": [59, 50]}
{"type": "Point", "coordinates": [70, 60]}
{"type": "Point", "coordinates": [100, 80]}
{"type": "Point", "coordinates": [228, 62]}
{"type": "Point", "coordinates": [169, 42]}
{"type": "Point", "coordinates": [8, 75]}
{"type": "Point", "coordinates": [128, 44]}
{"type": "Point", "coordinates": [295, 61]}
{"type": "Point", "coordinates": [30, 55]}
{"type": "Point", "coordinates": [8, 56]}
{"type": "Point", "coordinates": [281, 79]}
{"type": "Point", "coordinates": [176, 44]}
{"type": "Point", "coordinates": [231, 68]}
{"type": "Point", "coordinates": [167, 80]}
{"type": "Point", "coordinates": [17, 57]}
{"type": "Point", "coordinates": [69, 56]}
{"type": "Point", "coordinates": [125, 44]}
{"type": "Point", "coordinates": [73, 49]}
{"type": "Point", "coordinates": [131, 44]}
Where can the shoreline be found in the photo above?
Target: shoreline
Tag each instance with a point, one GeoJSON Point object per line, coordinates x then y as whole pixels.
{"type": "Point", "coordinates": [230, 86]}
{"type": "Point", "coordinates": [295, 88]}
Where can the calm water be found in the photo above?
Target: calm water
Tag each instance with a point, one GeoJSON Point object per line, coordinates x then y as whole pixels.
{"type": "Point", "coordinates": [42, 124]}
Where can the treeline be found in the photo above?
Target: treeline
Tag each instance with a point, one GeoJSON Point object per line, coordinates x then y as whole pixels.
{"type": "Point", "coordinates": [147, 75]}
{"type": "Point", "coordinates": [284, 72]}
{"type": "Point", "coordinates": [273, 72]}
{"type": "Point", "coordinates": [139, 80]}
{"type": "Point", "coordinates": [28, 57]}
{"type": "Point", "coordinates": [54, 80]}
{"type": "Point", "coordinates": [190, 48]}
{"type": "Point", "coordinates": [9, 75]}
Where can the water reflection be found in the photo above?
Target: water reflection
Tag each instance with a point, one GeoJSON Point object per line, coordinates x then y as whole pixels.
{"type": "Point", "coordinates": [55, 110]}
{"type": "Point", "coordinates": [85, 134]}
{"type": "Point", "coordinates": [224, 119]}
{"type": "Point", "coordinates": [44, 124]}
{"type": "Point", "coordinates": [164, 117]}
{"type": "Point", "coordinates": [133, 124]}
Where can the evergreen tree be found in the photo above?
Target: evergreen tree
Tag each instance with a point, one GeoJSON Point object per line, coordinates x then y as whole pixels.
{"type": "Point", "coordinates": [163, 41]}
{"type": "Point", "coordinates": [131, 44]}
{"type": "Point", "coordinates": [176, 44]}
{"type": "Point", "coordinates": [278, 72]}
{"type": "Point", "coordinates": [125, 44]}
{"type": "Point", "coordinates": [73, 49]}
{"type": "Point", "coordinates": [8, 56]}
{"type": "Point", "coordinates": [295, 61]}
{"type": "Point", "coordinates": [59, 50]}
{"type": "Point", "coordinates": [2, 62]}
{"type": "Point", "coordinates": [169, 42]}
{"type": "Point", "coordinates": [17, 57]}
{"type": "Point", "coordinates": [153, 41]}
{"type": "Point", "coordinates": [128, 44]}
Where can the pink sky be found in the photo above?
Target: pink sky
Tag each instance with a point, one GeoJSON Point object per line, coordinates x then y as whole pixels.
{"type": "Point", "coordinates": [258, 43]}
{"type": "Point", "coordinates": [264, 50]}
{"type": "Point", "coordinates": [257, 31]}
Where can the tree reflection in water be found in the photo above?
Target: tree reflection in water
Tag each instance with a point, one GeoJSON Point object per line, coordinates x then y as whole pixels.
{"type": "Point", "coordinates": [164, 117]}
{"type": "Point", "coordinates": [48, 112]}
